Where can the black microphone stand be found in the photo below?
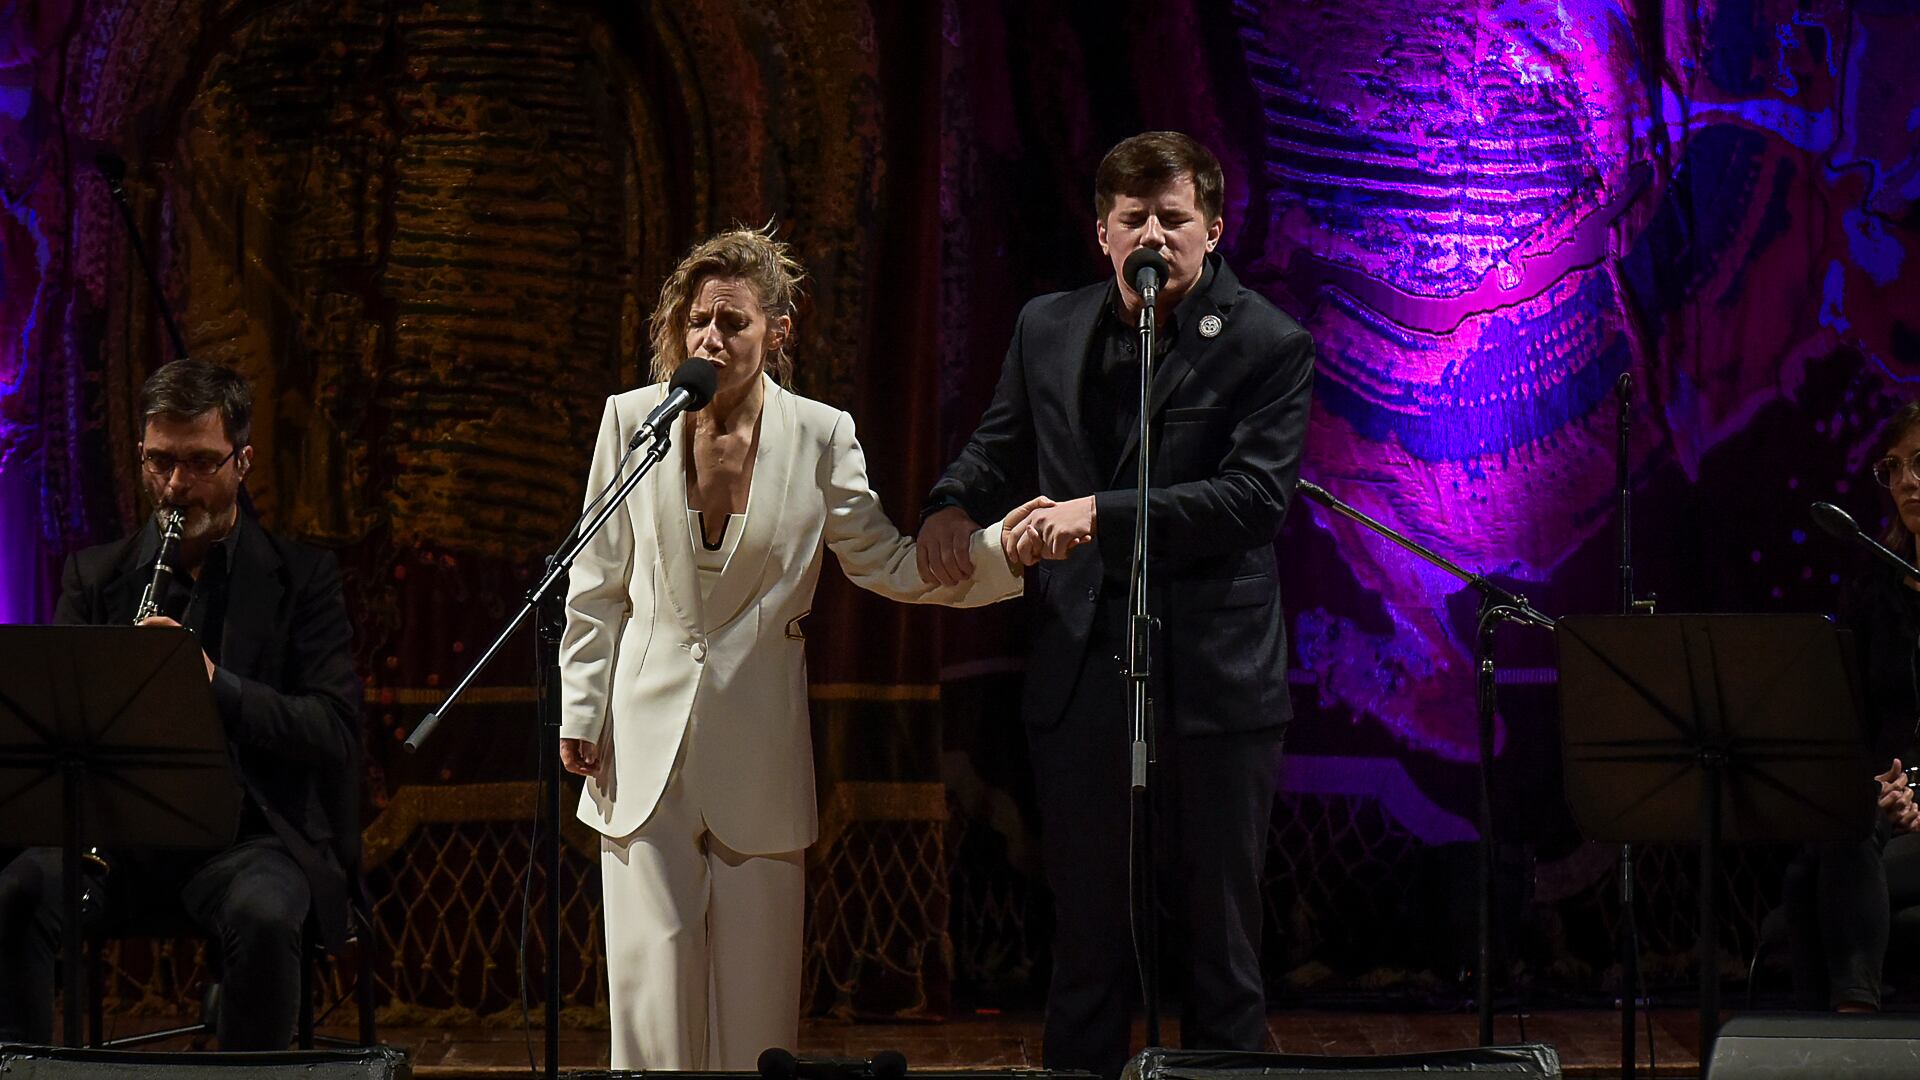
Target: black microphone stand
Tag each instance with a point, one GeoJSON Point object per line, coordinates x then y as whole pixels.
{"type": "Point", "coordinates": [1629, 943]}
{"type": "Point", "coordinates": [548, 828]}
{"type": "Point", "coordinates": [1139, 669]}
{"type": "Point", "coordinates": [1497, 605]}
{"type": "Point", "coordinates": [113, 170]}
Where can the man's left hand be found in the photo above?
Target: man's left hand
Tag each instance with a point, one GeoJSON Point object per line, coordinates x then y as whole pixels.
{"type": "Point", "coordinates": [162, 620]}
{"type": "Point", "coordinates": [1062, 527]}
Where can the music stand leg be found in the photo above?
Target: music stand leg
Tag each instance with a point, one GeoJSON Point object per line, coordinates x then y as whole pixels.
{"type": "Point", "coordinates": [1629, 967]}
{"type": "Point", "coordinates": [72, 951]}
{"type": "Point", "coordinates": [1709, 944]}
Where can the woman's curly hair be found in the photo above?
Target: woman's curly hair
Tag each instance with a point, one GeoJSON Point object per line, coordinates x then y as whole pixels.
{"type": "Point", "coordinates": [750, 255]}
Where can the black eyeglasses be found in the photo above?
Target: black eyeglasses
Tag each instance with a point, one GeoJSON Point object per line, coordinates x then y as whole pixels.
{"type": "Point", "coordinates": [198, 466]}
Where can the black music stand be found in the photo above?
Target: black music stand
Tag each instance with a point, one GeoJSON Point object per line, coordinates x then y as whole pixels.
{"type": "Point", "coordinates": [1711, 728]}
{"type": "Point", "coordinates": [109, 737]}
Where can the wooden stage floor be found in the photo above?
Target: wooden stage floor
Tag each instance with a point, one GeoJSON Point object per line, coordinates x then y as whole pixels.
{"type": "Point", "coordinates": [1588, 1040]}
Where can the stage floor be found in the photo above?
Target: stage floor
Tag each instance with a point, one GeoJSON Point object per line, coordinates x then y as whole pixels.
{"type": "Point", "coordinates": [1588, 1040]}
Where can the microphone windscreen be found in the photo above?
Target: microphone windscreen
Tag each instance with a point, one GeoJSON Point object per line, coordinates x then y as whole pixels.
{"type": "Point", "coordinates": [775, 1063]}
{"type": "Point", "coordinates": [1313, 491]}
{"type": "Point", "coordinates": [889, 1065]}
{"type": "Point", "coordinates": [699, 378]}
{"type": "Point", "coordinates": [1834, 520]}
{"type": "Point", "coordinates": [111, 165]}
{"type": "Point", "coordinates": [1145, 259]}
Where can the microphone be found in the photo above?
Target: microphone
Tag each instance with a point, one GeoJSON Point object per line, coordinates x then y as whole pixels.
{"type": "Point", "coordinates": [1839, 523]}
{"type": "Point", "coordinates": [778, 1064]}
{"type": "Point", "coordinates": [1315, 492]}
{"type": "Point", "coordinates": [694, 382]}
{"type": "Point", "coordinates": [1146, 269]}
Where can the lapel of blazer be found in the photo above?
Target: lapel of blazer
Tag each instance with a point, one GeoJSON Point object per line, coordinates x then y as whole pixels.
{"type": "Point", "coordinates": [120, 596]}
{"type": "Point", "coordinates": [1083, 318]}
{"type": "Point", "coordinates": [255, 586]}
{"type": "Point", "coordinates": [767, 498]}
{"type": "Point", "coordinates": [667, 496]}
{"type": "Point", "coordinates": [1188, 351]}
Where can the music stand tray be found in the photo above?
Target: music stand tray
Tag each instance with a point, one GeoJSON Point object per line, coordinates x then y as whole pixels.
{"type": "Point", "coordinates": [1706, 728]}
{"type": "Point", "coordinates": [109, 737]}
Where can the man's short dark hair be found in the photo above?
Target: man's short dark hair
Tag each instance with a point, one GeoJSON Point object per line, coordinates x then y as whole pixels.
{"type": "Point", "coordinates": [1146, 163]}
{"type": "Point", "coordinates": [184, 389]}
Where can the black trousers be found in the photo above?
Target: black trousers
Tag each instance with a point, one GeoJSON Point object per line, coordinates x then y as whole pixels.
{"type": "Point", "coordinates": [250, 900]}
{"type": "Point", "coordinates": [1839, 898]}
{"type": "Point", "coordinates": [1212, 801]}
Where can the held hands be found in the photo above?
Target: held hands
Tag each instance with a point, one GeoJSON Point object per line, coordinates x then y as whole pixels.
{"type": "Point", "coordinates": [1896, 799]}
{"type": "Point", "coordinates": [1048, 530]}
{"type": "Point", "coordinates": [580, 757]}
{"type": "Point", "coordinates": [162, 620]}
{"type": "Point", "coordinates": [941, 548]}
{"type": "Point", "coordinates": [1039, 528]}
{"type": "Point", "coordinates": [1011, 533]}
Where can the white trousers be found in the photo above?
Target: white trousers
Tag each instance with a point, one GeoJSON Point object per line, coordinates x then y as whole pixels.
{"type": "Point", "coordinates": [703, 944]}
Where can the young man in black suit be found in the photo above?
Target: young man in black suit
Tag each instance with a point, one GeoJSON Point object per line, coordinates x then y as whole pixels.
{"type": "Point", "coordinates": [1231, 385]}
{"type": "Point", "coordinates": [272, 623]}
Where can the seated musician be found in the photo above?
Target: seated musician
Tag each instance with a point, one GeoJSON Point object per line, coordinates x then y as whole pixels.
{"type": "Point", "coordinates": [272, 623]}
{"type": "Point", "coordinates": [1840, 896]}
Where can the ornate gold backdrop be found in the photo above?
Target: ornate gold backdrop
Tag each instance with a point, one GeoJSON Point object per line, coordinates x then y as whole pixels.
{"type": "Point", "coordinates": [429, 233]}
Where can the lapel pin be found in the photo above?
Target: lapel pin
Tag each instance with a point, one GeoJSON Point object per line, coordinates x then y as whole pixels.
{"type": "Point", "coordinates": [1210, 326]}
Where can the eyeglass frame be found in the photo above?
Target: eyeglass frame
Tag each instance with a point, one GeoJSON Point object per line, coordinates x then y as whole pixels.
{"type": "Point", "coordinates": [194, 470]}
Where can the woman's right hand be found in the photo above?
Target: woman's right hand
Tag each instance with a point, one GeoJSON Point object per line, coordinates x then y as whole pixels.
{"type": "Point", "coordinates": [580, 757]}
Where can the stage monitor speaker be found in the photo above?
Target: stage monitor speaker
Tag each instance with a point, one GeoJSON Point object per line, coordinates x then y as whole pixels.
{"type": "Point", "coordinates": [912, 1074]}
{"type": "Point", "coordinates": [1857, 1047]}
{"type": "Point", "coordinates": [1535, 1061]}
{"type": "Point", "coordinates": [60, 1063]}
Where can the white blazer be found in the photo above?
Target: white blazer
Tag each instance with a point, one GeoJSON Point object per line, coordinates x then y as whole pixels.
{"type": "Point", "coordinates": [643, 655]}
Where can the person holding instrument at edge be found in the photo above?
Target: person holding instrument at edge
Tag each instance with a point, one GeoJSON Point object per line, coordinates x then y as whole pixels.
{"type": "Point", "coordinates": [683, 667]}
{"type": "Point", "coordinates": [1840, 895]}
{"type": "Point", "coordinates": [271, 619]}
{"type": "Point", "coordinates": [1232, 380]}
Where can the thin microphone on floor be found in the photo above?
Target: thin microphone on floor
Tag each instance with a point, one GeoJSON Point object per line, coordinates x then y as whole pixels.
{"type": "Point", "coordinates": [779, 1064]}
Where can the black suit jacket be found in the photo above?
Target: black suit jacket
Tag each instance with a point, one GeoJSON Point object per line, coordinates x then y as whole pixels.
{"type": "Point", "coordinates": [285, 688]}
{"type": "Point", "coordinates": [1229, 419]}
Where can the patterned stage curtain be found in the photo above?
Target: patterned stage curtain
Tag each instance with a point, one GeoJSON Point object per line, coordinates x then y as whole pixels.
{"type": "Point", "coordinates": [430, 232]}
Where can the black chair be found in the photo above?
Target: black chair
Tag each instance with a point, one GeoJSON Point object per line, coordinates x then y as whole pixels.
{"type": "Point", "coordinates": [343, 811]}
{"type": "Point", "coordinates": [1903, 948]}
{"type": "Point", "coordinates": [360, 939]}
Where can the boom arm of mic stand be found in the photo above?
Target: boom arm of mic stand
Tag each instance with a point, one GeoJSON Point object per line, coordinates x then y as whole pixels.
{"type": "Point", "coordinates": [1513, 602]}
{"type": "Point", "coordinates": [119, 194]}
{"type": "Point", "coordinates": [1890, 557]}
{"type": "Point", "coordinates": [557, 569]}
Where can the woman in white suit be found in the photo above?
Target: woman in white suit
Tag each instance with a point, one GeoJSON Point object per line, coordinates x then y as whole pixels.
{"type": "Point", "coordinates": [684, 674]}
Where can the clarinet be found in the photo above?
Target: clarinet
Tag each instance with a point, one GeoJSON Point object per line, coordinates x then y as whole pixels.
{"type": "Point", "coordinates": [170, 521]}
